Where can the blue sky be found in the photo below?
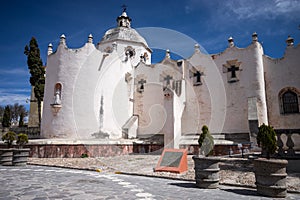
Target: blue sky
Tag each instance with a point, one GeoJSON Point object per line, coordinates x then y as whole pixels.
{"type": "Point", "coordinates": [209, 22]}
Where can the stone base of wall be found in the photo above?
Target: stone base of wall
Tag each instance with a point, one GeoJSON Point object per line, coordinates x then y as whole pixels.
{"type": "Point", "coordinates": [220, 150]}
{"type": "Point", "coordinates": [94, 150]}
{"type": "Point", "coordinates": [76, 151]}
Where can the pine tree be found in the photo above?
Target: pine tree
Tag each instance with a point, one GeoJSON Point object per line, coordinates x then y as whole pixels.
{"type": "Point", "coordinates": [37, 71]}
{"type": "Point", "coordinates": [6, 120]}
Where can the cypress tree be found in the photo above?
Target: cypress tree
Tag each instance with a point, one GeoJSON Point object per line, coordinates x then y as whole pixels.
{"type": "Point", "coordinates": [21, 120]}
{"type": "Point", "coordinates": [6, 120]}
{"type": "Point", "coordinates": [37, 71]}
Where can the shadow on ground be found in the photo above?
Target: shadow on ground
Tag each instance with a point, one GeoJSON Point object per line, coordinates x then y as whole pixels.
{"type": "Point", "coordinates": [244, 191]}
{"type": "Point", "coordinates": [184, 185]}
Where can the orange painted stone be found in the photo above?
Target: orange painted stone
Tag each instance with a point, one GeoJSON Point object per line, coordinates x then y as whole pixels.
{"type": "Point", "coordinates": [172, 160]}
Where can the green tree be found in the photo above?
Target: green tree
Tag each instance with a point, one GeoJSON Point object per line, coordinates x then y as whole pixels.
{"type": "Point", "coordinates": [6, 120]}
{"type": "Point", "coordinates": [266, 139]}
{"type": "Point", "coordinates": [1, 113]}
{"type": "Point", "coordinates": [16, 111]}
{"type": "Point", "coordinates": [9, 138]}
{"type": "Point", "coordinates": [37, 71]}
{"type": "Point", "coordinates": [21, 120]}
{"type": "Point", "coordinates": [22, 139]}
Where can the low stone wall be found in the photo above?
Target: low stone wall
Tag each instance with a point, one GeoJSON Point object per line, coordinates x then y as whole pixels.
{"type": "Point", "coordinates": [77, 150]}
{"type": "Point", "coordinates": [221, 149]}
{"type": "Point", "coordinates": [92, 150]}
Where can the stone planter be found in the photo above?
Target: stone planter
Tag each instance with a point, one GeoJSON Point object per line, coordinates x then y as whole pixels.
{"type": "Point", "coordinates": [6, 156]}
{"type": "Point", "coordinates": [270, 175]}
{"type": "Point", "coordinates": [207, 172]}
{"type": "Point", "coordinates": [20, 157]}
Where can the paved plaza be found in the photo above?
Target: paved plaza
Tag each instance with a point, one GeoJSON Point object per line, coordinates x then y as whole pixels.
{"type": "Point", "coordinates": [40, 182]}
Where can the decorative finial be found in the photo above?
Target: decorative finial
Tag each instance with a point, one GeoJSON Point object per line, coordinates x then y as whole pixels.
{"type": "Point", "coordinates": [290, 41]}
{"type": "Point", "coordinates": [197, 48]}
{"type": "Point", "coordinates": [50, 49]}
{"type": "Point", "coordinates": [90, 38]}
{"type": "Point", "coordinates": [254, 37]}
{"type": "Point", "coordinates": [62, 39]}
{"type": "Point", "coordinates": [168, 53]}
{"type": "Point", "coordinates": [230, 42]}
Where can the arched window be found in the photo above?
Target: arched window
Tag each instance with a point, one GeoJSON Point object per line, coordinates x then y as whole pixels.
{"type": "Point", "coordinates": [289, 102]}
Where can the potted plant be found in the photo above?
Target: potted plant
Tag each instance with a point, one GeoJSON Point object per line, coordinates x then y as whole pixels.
{"type": "Point", "coordinates": [22, 140]}
{"type": "Point", "coordinates": [270, 173]}
{"type": "Point", "coordinates": [6, 154]}
{"type": "Point", "coordinates": [20, 155]}
{"type": "Point", "coordinates": [206, 142]}
{"type": "Point", "coordinates": [206, 168]}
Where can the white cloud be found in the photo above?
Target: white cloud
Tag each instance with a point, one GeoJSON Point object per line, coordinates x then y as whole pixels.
{"type": "Point", "coordinates": [268, 9]}
{"type": "Point", "coordinates": [9, 96]}
{"type": "Point", "coordinates": [230, 10]}
{"type": "Point", "coordinates": [9, 99]}
{"type": "Point", "coordinates": [14, 90]}
{"type": "Point", "coordinates": [14, 71]}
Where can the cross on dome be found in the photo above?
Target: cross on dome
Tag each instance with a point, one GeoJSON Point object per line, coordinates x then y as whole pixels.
{"type": "Point", "coordinates": [124, 7]}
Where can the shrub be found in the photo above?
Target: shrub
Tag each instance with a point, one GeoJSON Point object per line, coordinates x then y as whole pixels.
{"type": "Point", "coordinates": [84, 155]}
{"type": "Point", "coordinates": [9, 138]}
{"type": "Point", "coordinates": [266, 139]}
{"type": "Point", "coordinates": [22, 139]}
{"type": "Point", "coordinates": [206, 141]}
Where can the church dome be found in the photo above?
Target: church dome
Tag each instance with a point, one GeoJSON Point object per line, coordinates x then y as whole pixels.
{"type": "Point", "coordinates": [123, 31]}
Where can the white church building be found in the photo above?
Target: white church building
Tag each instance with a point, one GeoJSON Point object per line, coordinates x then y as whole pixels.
{"type": "Point", "coordinates": [112, 90]}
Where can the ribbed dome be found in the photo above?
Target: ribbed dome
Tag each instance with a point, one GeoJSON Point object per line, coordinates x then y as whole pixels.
{"type": "Point", "coordinates": [123, 33]}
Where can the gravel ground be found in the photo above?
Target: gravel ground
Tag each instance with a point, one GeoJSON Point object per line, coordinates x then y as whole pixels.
{"type": "Point", "coordinates": [232, 171]}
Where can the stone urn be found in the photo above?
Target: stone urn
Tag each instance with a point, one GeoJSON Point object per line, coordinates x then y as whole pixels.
{"type": "Point", "coordinates": [207, 172]}
{"type": "Point", "coordinates": [270, 175]}
{"type": "Point", "coordinates": [20, 156]}
{"type": "Point", "coordinates": [6, 156]}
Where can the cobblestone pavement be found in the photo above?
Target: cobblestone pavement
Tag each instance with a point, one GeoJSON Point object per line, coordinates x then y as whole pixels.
{"type": "Point", "coordinates": [238, 172]}
{"type": "Point", "coordinates": [40, 182]}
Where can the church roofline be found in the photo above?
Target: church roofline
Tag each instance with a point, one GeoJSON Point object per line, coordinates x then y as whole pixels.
{"type": "Point", "coordinates": [236, 48]}
{"type": "Point", "coordinates": [63, 46]}
{"type": "Point", "coordinates": [284, 55]}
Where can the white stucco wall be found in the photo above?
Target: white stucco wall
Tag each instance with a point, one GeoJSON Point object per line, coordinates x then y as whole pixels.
{"type": "Point", "coordinates": [206, 102]}
{"type": "Point", "coordinates": [87, 74]}
{"type": "Point", "coordinates": [250, 84]}
{"type": "Point", "coordinates": [282, 73]}
{"type": "Point", "coordinates": [156, 115]}
{"type": "Point", "coordinates": [62, 67]}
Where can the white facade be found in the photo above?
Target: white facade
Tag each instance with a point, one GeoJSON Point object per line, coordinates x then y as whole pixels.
{"type": "Point", "coordinates": [113, 90]}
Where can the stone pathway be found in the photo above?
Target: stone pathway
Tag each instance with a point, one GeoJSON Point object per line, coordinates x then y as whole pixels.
{"type": "Point", "coordinates": [42, 182]}
{"type": "Point", "coordinates": [237, 172]}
